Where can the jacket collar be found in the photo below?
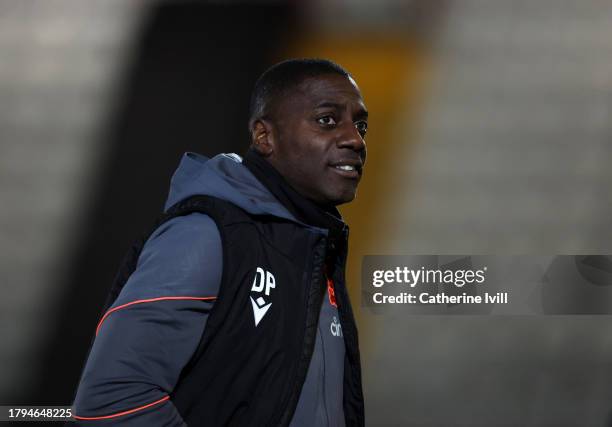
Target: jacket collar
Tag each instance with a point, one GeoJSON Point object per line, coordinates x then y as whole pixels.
{"type": "Point", "coordinates": [302, 208]}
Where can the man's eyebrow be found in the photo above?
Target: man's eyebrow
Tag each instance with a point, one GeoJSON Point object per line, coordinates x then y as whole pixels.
{"type": "Point", "coordinates": [328, 104]}
{"type": "Point", "coordinates": [361, 114]}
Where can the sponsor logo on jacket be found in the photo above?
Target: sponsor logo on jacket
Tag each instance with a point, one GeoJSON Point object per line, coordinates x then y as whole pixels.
{"type": "Point", "coordinates": [335, 328]}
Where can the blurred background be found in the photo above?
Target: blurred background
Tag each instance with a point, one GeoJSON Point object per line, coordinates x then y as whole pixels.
{"type": "Point", "coordinates": [490, 133]}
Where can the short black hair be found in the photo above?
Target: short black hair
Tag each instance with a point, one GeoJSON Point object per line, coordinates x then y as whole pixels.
{"type": "Point", "coordinates": [284, 76]}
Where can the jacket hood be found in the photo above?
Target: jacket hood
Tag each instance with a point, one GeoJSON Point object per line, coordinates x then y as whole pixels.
{"type": "Point", "coordinates": [224, 177]}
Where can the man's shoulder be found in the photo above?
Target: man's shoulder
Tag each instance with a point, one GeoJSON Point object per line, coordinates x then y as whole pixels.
{"type": "Point", "coordinates": [192, 235]}
{"type": "Point", "coordinates": [192, 227]}
{"type": "Point", "coordinates": [182, 257]}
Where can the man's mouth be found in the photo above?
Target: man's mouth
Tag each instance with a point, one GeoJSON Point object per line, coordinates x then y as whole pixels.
{"type": "Point", "coordinates": [348, 169]}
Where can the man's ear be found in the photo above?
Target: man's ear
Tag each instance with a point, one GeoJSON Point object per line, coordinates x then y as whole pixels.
{"type": "Point", "coordinates": [262, 138]}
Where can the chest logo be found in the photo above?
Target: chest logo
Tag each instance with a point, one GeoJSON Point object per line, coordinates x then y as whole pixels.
{"type": "Point", "coordinates": [260, 291]}
{"type": "Point", "coordinates": [336, 328]}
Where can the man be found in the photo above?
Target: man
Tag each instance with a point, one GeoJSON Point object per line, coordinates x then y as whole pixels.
{"type": "Point", "coordinates": [235, 311]}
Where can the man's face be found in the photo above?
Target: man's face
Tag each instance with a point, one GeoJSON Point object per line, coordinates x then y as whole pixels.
{"type": "Point", "coordinates": [318, 138]}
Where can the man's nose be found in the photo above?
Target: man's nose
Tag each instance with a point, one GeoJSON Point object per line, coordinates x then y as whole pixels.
{"type": "Point", "coordinates": [351, 138]}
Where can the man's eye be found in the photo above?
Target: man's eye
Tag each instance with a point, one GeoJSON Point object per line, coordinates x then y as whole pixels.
{"type": "Point", "coordinates": [326, 121]}
{"type": "Point", "coordinates": [362, 127]}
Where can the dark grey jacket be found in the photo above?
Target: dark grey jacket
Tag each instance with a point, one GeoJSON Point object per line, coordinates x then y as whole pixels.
{"type": "Point", "coordinates": [154, 326]}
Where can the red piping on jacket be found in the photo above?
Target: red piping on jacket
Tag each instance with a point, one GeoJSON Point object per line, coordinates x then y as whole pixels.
{"type": "Point", "coordinates": [118, 414]}
{"type": "Point", "coordinates": [140, 301]}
